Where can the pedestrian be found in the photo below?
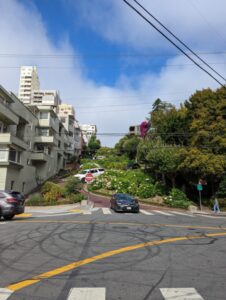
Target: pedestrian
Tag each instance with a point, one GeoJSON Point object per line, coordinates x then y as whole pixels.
{"type": "Point", "coordinates": [216, 207]}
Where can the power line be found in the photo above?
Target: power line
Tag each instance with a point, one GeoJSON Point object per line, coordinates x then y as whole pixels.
{"type": "Point", "coordinates": [103, 55]}
{"type": "Point", "coordinates": [179, 40]}
{"type": "Point", "coordinates": [109, 67]}
{"type": "Point", "coordinates": [175, 45]}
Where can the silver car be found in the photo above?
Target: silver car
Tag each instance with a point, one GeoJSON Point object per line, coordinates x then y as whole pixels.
{"type": "Point", "coordinates": [11, 204]}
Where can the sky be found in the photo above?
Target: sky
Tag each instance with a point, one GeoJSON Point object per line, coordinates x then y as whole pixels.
{"type": "Point", "coordinates": [107, 61]}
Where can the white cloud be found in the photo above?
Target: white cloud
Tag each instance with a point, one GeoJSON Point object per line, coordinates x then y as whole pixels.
{"type": "Point", "coordinates": [196, 22]}
{"type": "Point", "coordinates": [22, 31]}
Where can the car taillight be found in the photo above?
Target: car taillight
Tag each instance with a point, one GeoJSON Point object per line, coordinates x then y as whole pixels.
{"type": "Point", "coordinates": [11, 200]}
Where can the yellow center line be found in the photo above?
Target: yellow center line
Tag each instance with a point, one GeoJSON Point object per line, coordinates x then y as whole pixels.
{"type": "Point", "coordinates": [123, 223]}
{"type": "Point", "coordinates": [25, 283]}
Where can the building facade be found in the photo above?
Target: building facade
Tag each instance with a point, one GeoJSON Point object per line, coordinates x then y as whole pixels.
{"type": "Point", "coordinates": [45, 97]}
{"type": "Point", "coordinates": [34, 143]}
{"type": "Point", "coordinates": [29, 82]}
{"type": "Point", "coordinates": [87, 132]}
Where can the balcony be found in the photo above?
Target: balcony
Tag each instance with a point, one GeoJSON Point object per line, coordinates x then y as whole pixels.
{"type": "Point", "coordinates": [39, 156]}
{"type": "Point", "coordinates": [7, 115]}
{"type": "Point", "coordinates": [49, 123]}
{"type": "Point", "coordinates": [9, 139]}
{"type": "Point", "coordinates": [10, 157]}
{"type": "Point", "coordinates": [46, 140]}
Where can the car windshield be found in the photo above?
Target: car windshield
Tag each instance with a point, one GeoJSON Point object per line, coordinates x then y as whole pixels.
{"type": "Point", "coordinates": [124, 199]}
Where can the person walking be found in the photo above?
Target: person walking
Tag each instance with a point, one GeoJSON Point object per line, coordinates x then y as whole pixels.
{"type": "Point", "coordinates": [216, 207]}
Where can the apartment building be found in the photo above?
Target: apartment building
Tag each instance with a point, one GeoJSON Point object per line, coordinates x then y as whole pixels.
{"type": "Point", "coordinates": [87, 132]}
{"type": "Point", "coordinates": [66, 114]}
{"type": "Point", "coordinates": [45, 97]}
{"type": "Point", "coordinates": [29, 82]}
{"type": "Point", "coordinates": [34, 143]}
{"type": "Point", "coordinates": [135, 129]}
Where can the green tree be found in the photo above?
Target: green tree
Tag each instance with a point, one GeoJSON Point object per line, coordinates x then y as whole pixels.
{"type": "Point", "coordinates": [94, 144]}
{"type": "Point", "coordinates": [130, 147]}
{"type": "Point", "coordinates": [206, 111]}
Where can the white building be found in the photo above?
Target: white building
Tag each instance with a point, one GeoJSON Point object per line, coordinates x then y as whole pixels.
{"type": "Point", "coordinates": [66, 114]}
{"type": "Point", "coordinates": [87, 132]}
{"type": "Point", "coordinates": [45, 97]}
{"type": "Point", "coordinates": [29, 82]}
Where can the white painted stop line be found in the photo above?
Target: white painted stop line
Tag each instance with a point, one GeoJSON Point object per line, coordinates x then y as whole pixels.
{"type": "Point", "coordinates": [86, 212]}
{"type": "Point", "coordinates": [163, 213]}
{"type": "Point", "coordinates": [145, 212]}
{"type": "Point", "coordinates": [106, 211]}
{"type": "Point", "coordinates": [87, 294]}
{"type": "Point", "coordinates": [180, 294]}
{"type": "Point", "coordinates": [5, 293]}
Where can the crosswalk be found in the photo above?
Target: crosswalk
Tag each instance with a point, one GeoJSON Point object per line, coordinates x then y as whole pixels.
{"type": "Point", "coordinates": [107, 211]}
{"type": "Point", "coordinates": [100, 293]}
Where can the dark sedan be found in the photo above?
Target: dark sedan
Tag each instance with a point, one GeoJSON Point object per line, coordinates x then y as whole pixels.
{"type": "Point", "coordinates": [11, 204]}
{"type": "Point", "coordinates": [124, 203]}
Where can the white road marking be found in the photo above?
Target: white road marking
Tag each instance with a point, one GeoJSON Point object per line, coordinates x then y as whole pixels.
{"type": "Point", "coordinates": [163, 213]}
{"type": "Point", "coordinates": [2, 223]}
{"type": "Point", "coordinates": [180, 294]}
{"type": "Point", "coordinates": [106, 211]}
{"type": "Point", "coordinates": [145, 212]}
{"type": "Point", "coordinates": [182, 214]}
{"type": "Point", "coordinates": [212, 217]}
{"type": "Point", "coordinates": [86, 212]}
{"type": "Point", "coordinates": [87, 294]}
{"type": "Point", "coordinates": [5, 293]}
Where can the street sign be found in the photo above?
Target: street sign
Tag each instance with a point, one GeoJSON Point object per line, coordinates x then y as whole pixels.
{"type": "Point", "coordinates": [199, 187]}
{"type": "Point", "coordinates": [89, 178]}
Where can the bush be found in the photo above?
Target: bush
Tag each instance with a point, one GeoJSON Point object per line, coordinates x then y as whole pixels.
{"type": "Point", "coordinates": [51, 192]}
{"type": "Point", "coordinates": [74, 198]}
{"type": "Point", "coordinates": [35, 200]}
{"type": "Point", "coordinates": [177, 198]}
{"type": "Point", "coordinates": [71, 186]}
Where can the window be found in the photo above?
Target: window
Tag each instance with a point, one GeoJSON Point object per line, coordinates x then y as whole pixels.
{"type": "Point", "coordinates": [44, 132]}
{"type": "Point", "coordinates": [12, 184]}
{"type": "Point", "coordinates": [44, 115]}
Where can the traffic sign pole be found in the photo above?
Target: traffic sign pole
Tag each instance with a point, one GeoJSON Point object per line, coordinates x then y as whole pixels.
{"type": "Point", "coordinates": [89, 179]}
{"type": "Point", "coordinates": [200, 188]}
{"type": "Point", "coordinates": [200, 200]}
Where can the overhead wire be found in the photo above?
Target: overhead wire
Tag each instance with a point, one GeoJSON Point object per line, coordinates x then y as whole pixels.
{"type": "Point", "coordinates": [179, 40]}
{"type": "Point", "coordinates": [173, 43]}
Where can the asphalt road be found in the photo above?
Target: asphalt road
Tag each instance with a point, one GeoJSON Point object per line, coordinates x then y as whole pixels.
{"type": "Point", "coordinates": [113, 256]}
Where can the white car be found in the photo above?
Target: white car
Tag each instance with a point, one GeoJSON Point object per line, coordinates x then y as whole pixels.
{"type": "Point", "coordinates": [95, 172]}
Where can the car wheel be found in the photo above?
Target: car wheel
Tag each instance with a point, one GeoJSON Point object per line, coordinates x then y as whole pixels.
{"type": "Point", "coordinates": [9, 217]}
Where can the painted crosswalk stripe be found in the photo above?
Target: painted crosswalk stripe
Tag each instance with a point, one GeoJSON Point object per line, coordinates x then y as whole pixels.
{"type": "Point", "coordinates": [5, 293]}
{"type": "Point", "coordinates": [180, 294]}
{"type": "Point", "coordinates": [87, 294]}
{"type": "Point", "coordinates": [145, 212]}
{"type": "Point", "coordinates": [163, 212]}
{"type": "Point", "coordinates": [106, 211]}
{"type": "Point", "coordinates": [182, 214]}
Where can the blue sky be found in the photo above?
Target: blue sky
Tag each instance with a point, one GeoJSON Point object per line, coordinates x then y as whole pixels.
{"type": "Point", "coordinates": [105, 60]}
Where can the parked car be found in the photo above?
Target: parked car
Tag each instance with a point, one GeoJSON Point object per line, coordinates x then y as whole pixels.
{"type": "Point", "coordinates": [132, 166]}
{"type": "Point", "coordinates": [11, 204]}
{"type": "Point", "coordinates": [95, 172]}
{"type": "Point", "coordinates": [124, 202]}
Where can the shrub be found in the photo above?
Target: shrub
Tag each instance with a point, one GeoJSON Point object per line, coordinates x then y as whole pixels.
{"type": "Point", "coordinates": [77, 197]}
{"type": "Point", "coordinates": [177, 198]}
{"type": "Point", "coordinates": [71, 186]}
{"type": "Point", "coordinates": [51, 192]}
{"type": "Point", "coordinates": [146, 190]}
{"type": "Point", "coordinates": [35, 200]}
